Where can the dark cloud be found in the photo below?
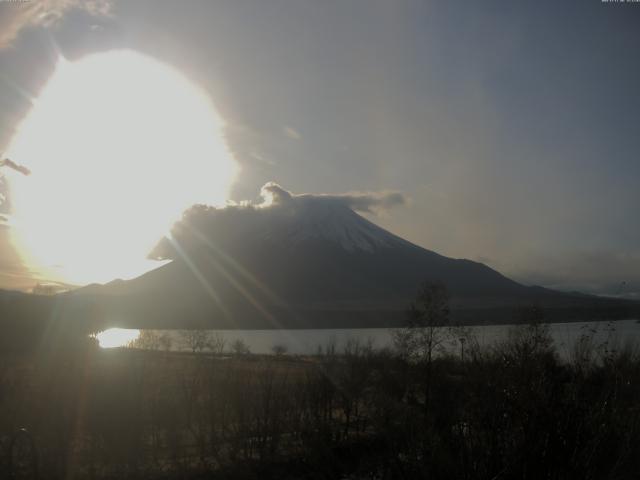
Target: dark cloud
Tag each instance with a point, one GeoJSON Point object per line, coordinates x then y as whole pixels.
{"type": "Point", "coordinates": [14, 166]}
{"type": "Point", "coordinates": [4, 204]}
{"type": "Point", "coordinates": [14, 16]}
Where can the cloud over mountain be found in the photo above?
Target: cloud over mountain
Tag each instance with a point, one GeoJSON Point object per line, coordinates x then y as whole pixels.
{"type": "Point", "coordinates": [366, 202]}
{"type": "Point", "coordinates": [277, 210]}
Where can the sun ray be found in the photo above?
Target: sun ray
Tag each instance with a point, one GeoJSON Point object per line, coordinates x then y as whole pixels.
{"type": "Point", "coordinates": [199, 276]}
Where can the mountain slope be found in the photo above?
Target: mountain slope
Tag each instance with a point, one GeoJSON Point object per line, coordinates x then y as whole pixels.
{"type": "Point", "coordinates": [301, 262]}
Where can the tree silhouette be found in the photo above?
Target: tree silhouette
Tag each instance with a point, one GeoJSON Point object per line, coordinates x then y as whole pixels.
{"type": "Point", "coordinates": [424, 334]}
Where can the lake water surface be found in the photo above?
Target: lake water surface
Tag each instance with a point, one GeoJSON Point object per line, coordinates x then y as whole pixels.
{"type": "Point", "coordinates": [307, 341]}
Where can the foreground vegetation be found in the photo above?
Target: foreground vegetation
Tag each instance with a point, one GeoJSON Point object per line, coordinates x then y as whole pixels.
{"type": "Point", "coordinates": [511, 411]}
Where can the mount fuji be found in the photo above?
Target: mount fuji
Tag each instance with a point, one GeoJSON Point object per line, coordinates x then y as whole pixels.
{"type": "Point", "coordinates": [309, 261]}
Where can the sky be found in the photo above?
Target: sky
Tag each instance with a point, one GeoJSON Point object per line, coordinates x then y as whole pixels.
{"type": "Point", "coordinates": [510, 127]}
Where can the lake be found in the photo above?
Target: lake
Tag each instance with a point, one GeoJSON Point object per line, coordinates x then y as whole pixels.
{"type": "Point", "coordinates": [307, 341]}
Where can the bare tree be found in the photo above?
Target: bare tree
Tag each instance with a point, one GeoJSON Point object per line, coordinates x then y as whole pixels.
{"type": "Point", "coordinates": [531, 339]}
{"type": "Point", "coordinates": [240, 347]}
{"type": "Point", "coordinates": [166, 341]}
{"type": "Point", "coordinates": [195, 340]}
{"type": "Point", "coordinates": [464, 338]}
{"type": "Point", "coordinates": [217, 343]}
{"type": "Point", "coordinates": [424, 334]}
{"type": "Point", "coordinates": [148, 340]}
{"type": "Point", "coordinates": [279, 349]}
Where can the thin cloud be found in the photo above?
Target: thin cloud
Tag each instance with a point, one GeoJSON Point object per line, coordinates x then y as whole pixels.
{"type": "Point", "coordinates": [601, 272]}
{"type": "Point", "coordinates": [224, 225]}
{"type": "Point", "coordinates": [364, 202]}
{"type": "Point", "coordinates": [292, 133]}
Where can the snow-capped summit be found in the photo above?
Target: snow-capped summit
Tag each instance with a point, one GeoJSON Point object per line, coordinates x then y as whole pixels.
{"type": "Point", "coordinates": [290, 220]}
{"type": "Point", "coordinates": [326, 221]}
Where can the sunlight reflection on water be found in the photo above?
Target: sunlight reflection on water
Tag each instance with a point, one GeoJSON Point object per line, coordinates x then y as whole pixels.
{"type": "Point", "coordinates": [307, 341]}
{"type": "Point", "coordinates": [117, 337]}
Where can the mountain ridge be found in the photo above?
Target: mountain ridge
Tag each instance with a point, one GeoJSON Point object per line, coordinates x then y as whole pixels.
{"type": "Point", "coordinates": [308, 262]}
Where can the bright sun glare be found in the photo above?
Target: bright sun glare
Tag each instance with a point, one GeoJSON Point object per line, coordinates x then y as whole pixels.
{"type": "Point", "coordinates": [119, 145]}
{"type": "Point", "coordinates": [117, 337]}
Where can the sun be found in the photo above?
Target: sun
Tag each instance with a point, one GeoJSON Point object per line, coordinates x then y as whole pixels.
{"type": "Point", "coordinates": [119, 145]}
